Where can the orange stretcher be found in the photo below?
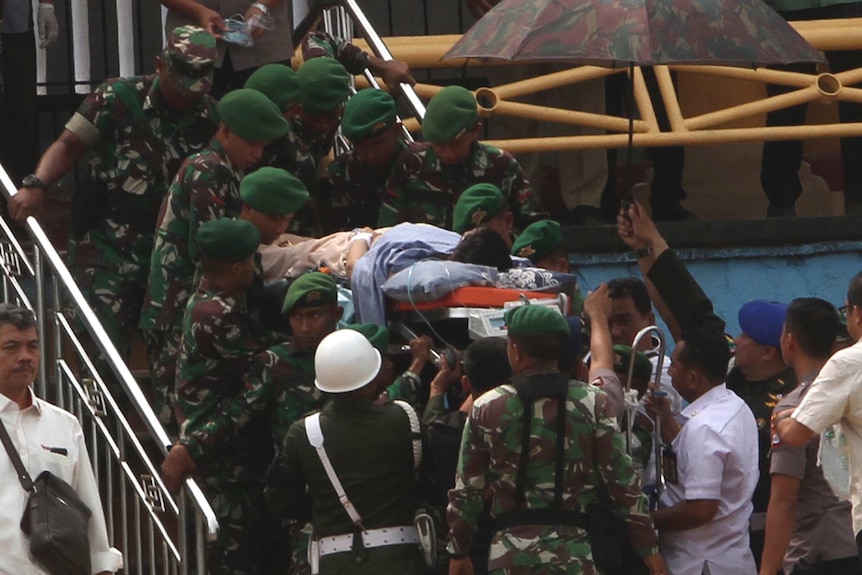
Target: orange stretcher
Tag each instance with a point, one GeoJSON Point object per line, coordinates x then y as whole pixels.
{"type": "Point", "coordinates": [459, 303]}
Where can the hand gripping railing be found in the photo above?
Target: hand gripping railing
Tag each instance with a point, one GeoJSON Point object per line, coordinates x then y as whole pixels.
{"type": "Point", "coordinates": [156, 533]}
{"type": "Point", "coordinates": [338, 23]}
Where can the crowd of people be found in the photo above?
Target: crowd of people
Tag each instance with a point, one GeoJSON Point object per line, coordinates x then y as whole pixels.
{"type": "Point", "coordinates": [256, 276]}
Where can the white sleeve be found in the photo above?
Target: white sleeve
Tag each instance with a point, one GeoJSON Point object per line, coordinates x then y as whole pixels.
{"type": "Point", "coordinates": [701, 463]}
{"type": "Point", "coordinates": [102, 556]}
{"type": "Point", "coordinates": [829, 397]}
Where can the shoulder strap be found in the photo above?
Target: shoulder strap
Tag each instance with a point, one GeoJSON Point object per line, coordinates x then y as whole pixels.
{"type": "Point", "coordinates": [315, 438]}
{"type": "Point", "coordinates": [23, 476]}
{"type": "Point", "coordinates": [415, 431]}
{"type": "Point", "coordinates": [529, 389]}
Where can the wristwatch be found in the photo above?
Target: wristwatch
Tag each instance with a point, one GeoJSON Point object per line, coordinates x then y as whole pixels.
{"type": "Point", "coordinates": [33, 181]}
{"type": "Point", "coordinates": [262, 7]}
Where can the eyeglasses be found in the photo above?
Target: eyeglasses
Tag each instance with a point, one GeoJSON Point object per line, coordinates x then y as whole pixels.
{"type": "Point", "coordinates": [843, 311]}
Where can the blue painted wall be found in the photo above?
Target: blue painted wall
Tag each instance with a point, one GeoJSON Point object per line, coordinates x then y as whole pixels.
{"type": "Point", "coordinates": [731, 277]}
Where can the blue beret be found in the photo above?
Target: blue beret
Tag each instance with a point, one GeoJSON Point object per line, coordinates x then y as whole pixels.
{"type": "Point", "coordinates": [763, 320]}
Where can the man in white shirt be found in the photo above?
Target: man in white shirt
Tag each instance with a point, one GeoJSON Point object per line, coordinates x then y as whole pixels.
{"type": "Point", "coordinates": [47, 438]}
{"type": "Point", "coordinates": [712, 470]}
{"type": "Point", "coordinates": [836, 397]}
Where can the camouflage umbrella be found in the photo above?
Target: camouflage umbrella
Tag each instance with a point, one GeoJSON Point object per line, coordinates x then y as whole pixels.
{"type": "Point", "coordinates": [623, 32]}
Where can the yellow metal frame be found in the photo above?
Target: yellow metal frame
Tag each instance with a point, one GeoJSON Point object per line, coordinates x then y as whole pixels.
{"type": "Point", "coordinates": [712, 127]}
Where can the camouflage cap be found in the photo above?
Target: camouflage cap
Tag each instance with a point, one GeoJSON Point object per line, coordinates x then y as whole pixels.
{"type": "Point", "coordinates": [309, 290]}
{"type": "Point", "coordinates": [189, 58]}
{"type": "Point", "coordinates": [477, 205]}
{"type": "Point", "coordinates": [536, 321]}
{"type": "Point", "coordinates": [623, 358]}
{"type": "Point", "coordinates": [228, 240]}
{"type": "Point", "coordinates": [378, 335]}
{"type": "Point", "coordinates": [368, 114]}
{"type": "Point", "coordinates": [324, 85]}
{"type": "Point", "coordinates": [277, 82]}
{"type": "Point", "coordinates": [251, 115]}
{"type": "Point", "coordinates": [450, 114]}
{"type": "Point", "coordinates": [538, 241]}
{"type": "Point", "coordinates": [273, 191]}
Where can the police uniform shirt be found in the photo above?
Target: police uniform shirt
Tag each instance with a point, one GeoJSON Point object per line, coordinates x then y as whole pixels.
{"type": "Point", "coordinates": [716, 459]}
{"type": "Point", "coordinates": [824, 528]}
{"type": "Point", "coordinates": [836, 396]}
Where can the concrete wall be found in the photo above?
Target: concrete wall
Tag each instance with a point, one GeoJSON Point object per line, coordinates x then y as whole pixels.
{"type": "Point", "coordinates": [733, 277]}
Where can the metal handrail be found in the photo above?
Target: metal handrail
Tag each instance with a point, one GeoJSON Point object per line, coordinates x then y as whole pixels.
{"type": "Point", "coordinates": [118, 456]}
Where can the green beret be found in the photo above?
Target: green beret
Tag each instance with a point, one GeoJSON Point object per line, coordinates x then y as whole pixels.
{"type": "Point", "coordinates": [378, 335]}
{"type": "Point", "coordinates": [536, 321]}
{"type": "Point", "coordinates": [477, 205]}
{"type": "Point", "coordinates": [538, 241]}
{"type": "Point", "coordinates": [228, 240]}
{"type": "Point", "coordinates": [273, 191]}
{"type": "Point", "coordinates": [368, 114]}
{"type": "Point", "coordinates": [251, 115]}
{"type": "Point", "coordinates": [324, 85]}
{"type": "Point", "coordinates": [277, 82]}
{"type": "Point", "coordinates": [451, 113]}
{"type": "Point", "coordinates": [311, 289]}
{"type": "Point", "coordinates": [623, 358]}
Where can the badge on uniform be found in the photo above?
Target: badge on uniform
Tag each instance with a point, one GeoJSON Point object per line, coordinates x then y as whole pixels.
{"type": "Point", "coordinates": [668, 461]}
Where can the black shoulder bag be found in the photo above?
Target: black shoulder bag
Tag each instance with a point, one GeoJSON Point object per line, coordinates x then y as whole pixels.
{"type": "Point", "coordinates": [55, 519]}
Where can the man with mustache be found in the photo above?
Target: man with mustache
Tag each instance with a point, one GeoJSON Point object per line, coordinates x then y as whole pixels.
{"type": "Point", "coordinates": [47, 438]}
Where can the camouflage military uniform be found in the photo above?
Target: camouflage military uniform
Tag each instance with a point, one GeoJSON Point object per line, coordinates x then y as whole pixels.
{"type": "Point", "coordinates": [351, 192]}
{"type": "Point", "coordinates": [279, 387]}
{"type": "Point", "coordinates": [219, 343]}
{"type": "Point", "coordinates": [490, 456]}
{"type": "Point", "coordinates": [206, 188]}
{"type": "Point", "coordinates": [321, 44]}
{"type": "Point", "coordinates": [280, 383]}
{"type": "Point", "coordinates": [299, 152]}
{"type": "Point", "coordinates": [422, 189]}
{"type": "Point", "coordinates": [137, 143]}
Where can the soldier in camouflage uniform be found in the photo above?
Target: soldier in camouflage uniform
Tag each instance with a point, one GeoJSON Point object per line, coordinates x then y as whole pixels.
{"type": "Point", "coordinates": [280, 84]}
{"type": "Point", "coordinates": [539, 526]}
{"type": "Point", "coordinates": [355, 60]}
{"type": "Point", "coordinates": [138, 131]}
{"type": "Point", "coordinates": [324, 86]}
{"type": "Point", "coordinates": [218, 346]}
{"type": "Point", "coordinates": [206, 188]}
{"type": "Point", "coordinates": [428, 178]}
{"type": "Point", "coordinates": [351, 192]}
{"type": "Point", "coordinates": [278, 390]}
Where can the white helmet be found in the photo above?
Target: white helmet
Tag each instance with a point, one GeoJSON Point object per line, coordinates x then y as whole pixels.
{"type": "Point", "coordinates": [345, 361]}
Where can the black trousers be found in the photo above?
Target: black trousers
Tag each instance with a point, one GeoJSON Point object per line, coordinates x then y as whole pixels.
{"type": "Point", "coordinates": [19, 148]}
{"type": "Point", "coordinates": [779, 170]}
{"type": "Point", "coordinates": [668, 162]}
{"type": "Point", "coordinates": [844, 566]}
{"type": "Point", "coordinates": [225, 78]}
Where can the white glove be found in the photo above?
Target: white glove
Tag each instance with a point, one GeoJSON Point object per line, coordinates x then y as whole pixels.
{"type": "Point", "coordinates": [46, 21]}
